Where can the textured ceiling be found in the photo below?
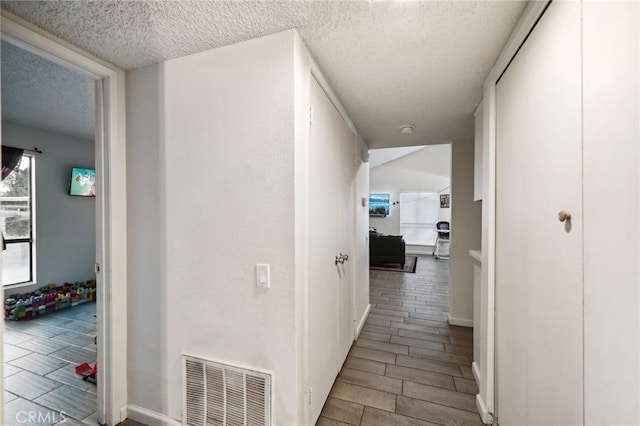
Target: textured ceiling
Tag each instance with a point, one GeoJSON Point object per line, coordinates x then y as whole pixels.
{"type": "Point", "coordinates": [39, 93]}
{"type": "Point", "coordinates": [390, 62]}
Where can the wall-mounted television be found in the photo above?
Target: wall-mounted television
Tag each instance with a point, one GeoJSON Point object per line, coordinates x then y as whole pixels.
{"type": "Point", "coordinates": [83, 182]}
{"type": "Point", "coordinates": [378, 205]}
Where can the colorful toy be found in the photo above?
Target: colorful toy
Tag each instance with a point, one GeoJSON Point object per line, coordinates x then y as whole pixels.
{"type": "Point", "coordinates": [87, 372]}
{"type": "Point", "coordinates": [48, 299]}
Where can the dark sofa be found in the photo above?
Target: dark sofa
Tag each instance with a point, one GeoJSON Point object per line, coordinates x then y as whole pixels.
{"type": "Point", "coordinates": [386, 249]}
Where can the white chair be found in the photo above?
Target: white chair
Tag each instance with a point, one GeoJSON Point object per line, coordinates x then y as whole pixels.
{"type": "Point", "coordinates": [443, 237]}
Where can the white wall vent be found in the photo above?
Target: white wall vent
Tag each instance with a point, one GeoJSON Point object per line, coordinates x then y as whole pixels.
{"type": "Point", "coordinates": [222, 395]}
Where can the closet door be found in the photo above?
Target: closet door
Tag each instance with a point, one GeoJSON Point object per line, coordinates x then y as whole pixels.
{"type": "Point", "coordinates": [539, 294]}
{"type": "Point", "coordinates": [346, 243]}
{"type": "Point", "coordinates": [331, 224]}
{"type": "Point", "coordinates": [611, 153]}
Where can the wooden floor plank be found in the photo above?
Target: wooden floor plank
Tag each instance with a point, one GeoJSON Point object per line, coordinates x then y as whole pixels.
{"type": "Point", "coordinates": [343, 411]}
{"type": "Point", "coordinates": [361, 395]}
{"type": "Point", "coordinates": [440, 396]}
{"type": "Point", "coordinates": [375, 417]}
{"type": "Point", "coordinates": [370, 380]}
{"type": "Point", "coordinates": [436, 413]}
{"type": "Point", "coordinates": [365, 365]}
{"type": "Point", "coordinates": [426, 377]}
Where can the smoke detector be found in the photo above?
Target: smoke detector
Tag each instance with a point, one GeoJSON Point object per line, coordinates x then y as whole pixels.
{"type": "Point", "coordinates": [407, 129]}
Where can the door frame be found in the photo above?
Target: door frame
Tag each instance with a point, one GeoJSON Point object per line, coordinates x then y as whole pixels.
{"type": "Point", "coordinates": [111, 217]}
{"type": "Point", "coordinates": [487, 397]}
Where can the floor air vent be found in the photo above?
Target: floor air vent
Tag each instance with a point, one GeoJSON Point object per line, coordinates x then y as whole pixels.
{"type": "Point", "coordinates": [222, 395]}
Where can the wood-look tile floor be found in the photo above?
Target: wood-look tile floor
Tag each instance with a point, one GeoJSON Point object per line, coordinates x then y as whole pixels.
{"type": "Point", "coordinates": [409, 367]}
{"type": "Point", "coordinates": [41, 386]}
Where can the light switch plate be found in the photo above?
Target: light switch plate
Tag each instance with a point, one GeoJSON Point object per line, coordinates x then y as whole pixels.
{"type": "Point", "coordinates": [263, 279]}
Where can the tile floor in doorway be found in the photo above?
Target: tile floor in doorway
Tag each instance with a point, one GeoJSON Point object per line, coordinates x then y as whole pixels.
{"type": "Point", "coordinates": [40, 356]}
{"type": "Point", "coordinates": [408, 366]}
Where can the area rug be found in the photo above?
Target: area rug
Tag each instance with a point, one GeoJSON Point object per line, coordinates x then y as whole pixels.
{"type": "Point", "coordinates": [409, 266]}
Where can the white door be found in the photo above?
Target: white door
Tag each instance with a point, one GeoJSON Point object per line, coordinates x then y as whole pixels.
{"type": "Point", "coordinates": [539, 331]}
{"type": "Point", "coordinates": [331, 233]}
{"type": "Point", "coordinates": [346, 226]}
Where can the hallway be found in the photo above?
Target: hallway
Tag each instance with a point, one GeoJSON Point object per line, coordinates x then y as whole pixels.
{"type": "Point", "coordinates": [409, 366]}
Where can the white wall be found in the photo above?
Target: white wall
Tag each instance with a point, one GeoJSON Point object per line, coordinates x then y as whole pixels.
{"type": "Point", "coordinates": [477, 154]}
{"type": "Point", "coordinates": [65, 225]}
{"type": "Point", "coordinates": [147, 290]}
{"type": "Point", "coordinates": [229, 204]}
{"type": "Point", "coordinates": [361, 236]}
{"type": "Point", "coordinates": [217, 170]}
{"type": "Point", "coordinates": [427, 170]}
{"type": "Point", "coordinates": [485, 363]}
{"type": "Point", "coordinates": [466, 217]}
{"type": "Point", "coordinates": [611, 182]}
{"type": "Point", "coordinates": [302, 99]}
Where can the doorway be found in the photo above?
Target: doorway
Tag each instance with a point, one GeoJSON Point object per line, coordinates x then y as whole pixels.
{"type": "Point", "coordinates": [110, 207]}
{"type": "Point", "coordinates": [48, 218]}
{"type": "Point", "coordinates": [413, 185]}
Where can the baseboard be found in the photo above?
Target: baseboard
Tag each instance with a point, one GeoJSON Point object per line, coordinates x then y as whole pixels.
{"type": "Point", "coordinates": [476, 372]}
{"type": "Point", "coordinates": [424, 250]}
{"type": "Point", "coordinates": [150, 418]}
{"type": "Point", "coordinates": [482, 409]}
{"type": "Point", "coordinates": [362, 320]}
{"type": "Point", "coordinates": [462, 322]}
{"type": "Point", "coordinates": [480, 403]}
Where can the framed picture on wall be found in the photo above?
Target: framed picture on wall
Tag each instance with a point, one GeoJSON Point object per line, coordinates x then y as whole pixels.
{"type": "Point", "coordinates": [378, 205]}
{"type": "Point", "coordinates": [444, 201]}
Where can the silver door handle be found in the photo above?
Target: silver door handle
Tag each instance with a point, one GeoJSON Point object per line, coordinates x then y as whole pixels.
{"type": "Point", "coordinates": [344, 256]}
{"type": "Point", "coordinates": [339, 259]}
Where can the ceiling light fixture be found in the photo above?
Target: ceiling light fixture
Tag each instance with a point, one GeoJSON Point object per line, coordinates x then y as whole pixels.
{"type": "Point", "coordinates": [407, 129]}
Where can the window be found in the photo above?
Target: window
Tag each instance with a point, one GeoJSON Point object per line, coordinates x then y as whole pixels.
{"type": "Point", "coordinates": [16, 221]}
{"type": "Point", "coordinates": [418, 217]}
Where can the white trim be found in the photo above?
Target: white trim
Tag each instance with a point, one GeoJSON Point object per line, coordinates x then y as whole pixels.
{"type": "Point", "coordinates": [302, 102]}
{"type": "Point", "coordinates": [324, 84]}
{"type": "Point", "coordinates": [35, 40]}
{"type": "Point", "coordinates": [476, 371]}
{"type": "Point", "coordinates": [151, 418]}
{"type": "Point", "coordinates": [363, 319]}
{"type": "Point", "coordinates": [461, 322]}
{"type": "Point", "coordinates": [480, 404]}
{"type": "Point", "coordinates": [522, 29]}
{"type": "Point", "coordinates": [485, 417]}
{"type": "Point", "coordinates": [420, 250]}
{"type": "Point", "coordinates": [111, 223]}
